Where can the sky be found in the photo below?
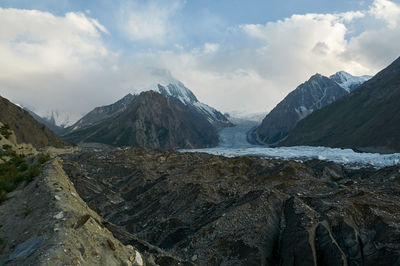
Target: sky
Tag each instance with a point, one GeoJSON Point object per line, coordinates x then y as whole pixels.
{"type": "Point", "coordinates": [69, 56]}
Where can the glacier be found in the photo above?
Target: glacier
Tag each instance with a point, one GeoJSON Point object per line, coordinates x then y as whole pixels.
{"type": "Point", "coordinates": [233, 143]}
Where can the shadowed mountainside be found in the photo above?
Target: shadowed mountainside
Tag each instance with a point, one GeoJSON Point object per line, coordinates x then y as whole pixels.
{"type": "Point", "coordinates": [151, 120]}
{"type": "Point", "coordinates": [26, 128]}
{"type": "Point", "coordinates": [368, 119]}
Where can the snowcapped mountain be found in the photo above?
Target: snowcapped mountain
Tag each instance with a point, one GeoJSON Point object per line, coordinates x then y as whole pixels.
{"type": "Point", "coordinates": [169, 88]}
{"type": "Point", "coordinates": [151, 120]}
{"type": "Point", "coordinates": [44, 121]}
{"type": "Point", "coordinates": [312, 95]}
{"type": "Point", "coordinates": [368, 119]}
{"type": "Point", "coordinates": [348, 81]}
{"type": "Point", "coordinates": [58, 118]}
{"type": "Point", "coordinates": [177, 89]}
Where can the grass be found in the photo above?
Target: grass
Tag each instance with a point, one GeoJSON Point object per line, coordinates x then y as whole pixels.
{"type": "Point", "coordinates": [26, 210]}
{"type": "Point", "coordinates": [17, 170]}
{"type": "Point", "coordinates": [43, 158]}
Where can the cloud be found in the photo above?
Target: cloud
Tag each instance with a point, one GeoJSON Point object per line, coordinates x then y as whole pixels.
{"type": "Point", "coordinates": [210, 48]}
{"type": "Point", "coordinates": [387, 11]}
{"type": "Point", "coordinates": [62, 62]}
{"type": "Point", "coordinates": [44, 57]}
{"type": "Point", "coordinates": [148, 21]}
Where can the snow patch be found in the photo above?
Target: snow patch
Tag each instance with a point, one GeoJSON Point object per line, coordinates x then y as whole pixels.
{"type": "Point", "coordinates": [348, 81]}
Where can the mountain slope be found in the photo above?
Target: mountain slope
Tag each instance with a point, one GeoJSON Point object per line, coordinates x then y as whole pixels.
{"type": "Point", "coordinates": [367, 119]}
{"type": "Point", "coordinates": [177, 89]}
{"type": "Point", "coordinates": [58, 130]}
{"type": "Point", "coordinates": [317, 92]}
{"type": "Point", "coordinates": [347, 81]}
{"type": "Point", "coordinates": [312, 95]}
{"type": "Point", "coordinates": [151, 120]}
{"type": "Point", "coordinates": [26, 128]}
{"type": "Point", "coordinates": [174, 89]}
{"type": "Point", "coordinates": [101, 113]}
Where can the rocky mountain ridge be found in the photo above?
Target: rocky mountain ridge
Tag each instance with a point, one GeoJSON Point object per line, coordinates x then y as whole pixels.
{"type": "Point", "coordinates": [151, 120]}
{"type": "Point", "coordinates": [312, 95]}
{"type": "Point", "coordinates": [173, 89]}
{"type": "Point", "coordinates": [368, 119]}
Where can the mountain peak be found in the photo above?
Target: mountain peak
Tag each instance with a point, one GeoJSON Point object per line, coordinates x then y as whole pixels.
{"type": "Point", "coordinates": [348, 81]}
{"type": "Point", "coordinates": [174, 89]}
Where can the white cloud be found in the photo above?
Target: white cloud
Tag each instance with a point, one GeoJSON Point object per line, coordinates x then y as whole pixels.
{"type": "Point", "coordinates": [387, 11]}
{"type": "Point", "coordinates": [148, 21]}
{"type": "Point", "coordinates": [211, 48]}
{"type": "Point", "coordinates": [44, 57]}
{"type": "Point", "coordinates": [61, 62]}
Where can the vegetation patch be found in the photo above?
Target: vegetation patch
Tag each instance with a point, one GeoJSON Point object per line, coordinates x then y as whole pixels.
{"type": "Point", "coordinates": [5, 131]}
{"type": "Point", "coordinates": [17, 168]}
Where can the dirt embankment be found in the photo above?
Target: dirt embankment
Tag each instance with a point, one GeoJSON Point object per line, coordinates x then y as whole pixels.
{"type": "Point", "coordinates": [46, 223]}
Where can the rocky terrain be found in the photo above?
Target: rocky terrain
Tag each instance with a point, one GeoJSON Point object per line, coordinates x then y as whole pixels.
{"type": "Point", "coordinates": [26, 128]}
{"type": "Point", "coordinates": [368, 119]}
{"type": "Point", "coordinates": [151, 120]}
{"type": "Point", "coordinates": [214, 210]}
{"type": "Point", "coordinates": [310, 96]}
{"type": "Point", "coordinates": [43, 221]}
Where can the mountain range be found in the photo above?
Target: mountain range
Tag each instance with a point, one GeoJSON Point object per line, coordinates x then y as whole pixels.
{"type": "Point", "coordinates": [160, 116]}
{"type": "Point", "coordinates": [312, 95]}
{"type": "Point", "coordinates": [368, 119]}
{"type": "Point", "coordinates": [173, 89]}
{"type": "Point", "coordinates": [25, 127]}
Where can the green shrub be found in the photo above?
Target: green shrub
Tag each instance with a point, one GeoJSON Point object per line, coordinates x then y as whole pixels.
{"type": "Point", "coordinates": [33, 171]}
{"type": "Point", "coordinates": [5, 131]}
{"type": "Point", "coordinates": [15, 171]}
{"type": "Point", "coordinates": [6, 147]}
{"type": "Point", "coordinates": [23, 167]}
{"type": "Point", "coordinates": [3, 196]}
{"type": "Point", "coordinates": [1, 241]}
{"type": "Point", "coordinates": [43, 158]}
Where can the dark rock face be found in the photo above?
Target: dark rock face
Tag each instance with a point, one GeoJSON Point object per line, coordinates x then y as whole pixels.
{"type": "Point", "coordinates": [174, 91]}
{"type": "Point", "coordinates": [151, 120]}
{"type": "Point", "coordinates": [26, 128]}
{"type": "Point", "coordinates": [312, 95]}
{"type": "Point", "coordinates": [101, 113]}
{"type": "Point", "coordinates": [245, 210]}
{"type": "Point", "coordinates": [367, 119]}
{"type": "Point", "coordinates": [177, 90]}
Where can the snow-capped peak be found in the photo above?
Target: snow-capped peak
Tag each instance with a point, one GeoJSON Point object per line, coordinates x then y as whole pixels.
{"type": "Point", "coordinates": [174, 89]}
{"type": "Point", "coordinates": [171, 87]}
{"type": "Point", "coordinates": [348, 81]}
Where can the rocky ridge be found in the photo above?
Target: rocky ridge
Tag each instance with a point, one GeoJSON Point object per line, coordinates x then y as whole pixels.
{"type": "Point", "coordinates": [151, 120]}
{"type": "Point", "coordinates": [314, 94]}
{"type": "Point", "coordinates": [56, 227]}
{"type": "Point", "coordinates": [368, 119]}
